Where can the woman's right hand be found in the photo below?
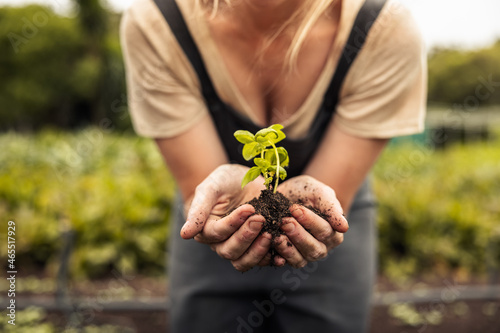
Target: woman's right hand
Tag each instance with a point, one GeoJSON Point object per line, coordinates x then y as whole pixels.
{"type": "Point", "coordinates": [219, 217]}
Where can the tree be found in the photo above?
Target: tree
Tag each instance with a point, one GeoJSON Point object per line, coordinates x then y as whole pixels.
{"type": "Point", "coordinates": [40, 54]}
{"type": "Point", "coordinates": [60, 71]}
{"type": "Point", "coordinates": [461, 77]}
{"type": "Point", "coordinates": [95, 24]}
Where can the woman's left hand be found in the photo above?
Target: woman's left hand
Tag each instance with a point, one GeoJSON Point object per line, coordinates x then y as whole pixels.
{"type": "Point", "coordinates": [307, 236]}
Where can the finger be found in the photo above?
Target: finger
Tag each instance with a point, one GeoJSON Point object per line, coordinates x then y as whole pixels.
{"type": "Point", "coordinates": [279, 261]}
{"type": "Point", "coordinates": [255, 254]}
{"type": "Point", "coordinates": [339, 223]}
{"type": "Point", "coordinates": [265, 261]}
{"type": "Point", "coordinates": [317, 226]}
{"type": "Point", "coordinates": [312, 222]}
{"type": "Point", "coordinates": [305, 243]}
{"type": "Point", "coordinates": [242, 239]}
{"type": "Point", "coordinates": [220, 229]}
{"type": "Point", "coordinates": [326, 202]}
{"type": "Point", "coordinates": [321, 197]}
{"type": "Point", "coordinates": [288, 252]}
{"type": "Point", "coordinates": [201, 206]}
{"type": "Point", "coordinates": [332, 210]}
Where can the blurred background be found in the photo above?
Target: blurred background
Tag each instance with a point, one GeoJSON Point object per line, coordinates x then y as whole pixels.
{"type": "Point", "coordinates": [91, 200]}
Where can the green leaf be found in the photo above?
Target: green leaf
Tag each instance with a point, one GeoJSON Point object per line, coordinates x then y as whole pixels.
{"type": "Point", "coordinates": [251, 150]}
{"type": "Point", "coordinates": [244, 136]}
{"type": "Point", "coordinates": [281, 134]}
{"type": "Point", "coordinates": [262, 163]}
{"type": "Point", "coordinates": [251, 175]}
{"type": "Point", "coordinates": [283, 173]}
{"type": "Point", "coordinates": [268, 181]}
{"type": "Point", "coordinates": [265, 135]}
{"type": "Point", "coordinates": [283, 154]}
{"type": "Point", "coordinates": [276, 127]}
{"type": "Point", "coordinates": [270, 156]}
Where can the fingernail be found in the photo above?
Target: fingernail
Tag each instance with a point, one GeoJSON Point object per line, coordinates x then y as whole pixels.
{"type": "Point", "coordinates": [288, 228]}
{"type": "Point", "coordinates": [297, 213]}
{"type": "Point", "coordinates": [183, 231]}
{"type": "Point", "coordinates": [246, 214]}
{"type": "Point", "coordinates": [256, 226]}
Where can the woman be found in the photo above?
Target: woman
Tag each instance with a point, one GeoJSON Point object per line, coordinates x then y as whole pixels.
{"type": "Point", "coordinates": [343, 77]}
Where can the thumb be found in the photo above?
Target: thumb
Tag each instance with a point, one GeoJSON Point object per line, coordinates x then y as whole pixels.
{"type": "Point", "coordinates": [198, 213]}
{"type": "Point", "coordinates": [340, 224]}
{"type": "Point", "coordinates": [191, 229]}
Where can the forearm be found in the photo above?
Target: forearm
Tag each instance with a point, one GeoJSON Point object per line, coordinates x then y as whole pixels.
{"type": "Point", "coordinates": [193, 155]}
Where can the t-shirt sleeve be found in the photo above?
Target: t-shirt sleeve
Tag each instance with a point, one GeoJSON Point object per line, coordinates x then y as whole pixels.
{"type": "Point", "coordinates": [384, 93]}
{"type": "Point", "coordinates": [163, 98]}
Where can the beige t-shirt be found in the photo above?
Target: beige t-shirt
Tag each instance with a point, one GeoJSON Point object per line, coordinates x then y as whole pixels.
{"type": "Point", "coordinates": [383, 95]}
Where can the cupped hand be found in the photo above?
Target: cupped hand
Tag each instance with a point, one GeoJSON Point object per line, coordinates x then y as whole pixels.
{"type": "Point", "coordinates": [308, 236]}
{"type": "Point", "coordinates": [218, 216]}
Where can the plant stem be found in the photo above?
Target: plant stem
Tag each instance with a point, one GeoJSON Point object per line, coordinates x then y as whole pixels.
{"type": "Point", "coordinates": [268, 186]}
{"type": "Point", "coordinates": [277, 166]}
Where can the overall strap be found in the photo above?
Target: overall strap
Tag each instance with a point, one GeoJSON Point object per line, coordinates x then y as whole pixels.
{"type": "Point", "coordinates": [362, 25]}
{"type": "Point", "coordinates": [173, 16]}
{"type": "Point", "coordinates": [227, 120]}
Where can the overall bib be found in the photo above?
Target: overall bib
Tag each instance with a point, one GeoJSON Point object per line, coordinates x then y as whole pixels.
{"type": "Point", "coordinates": [332, 295]}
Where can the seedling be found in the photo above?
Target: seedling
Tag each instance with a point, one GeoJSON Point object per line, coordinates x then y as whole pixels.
{"type": "Point", "coordinates": [272, 160]}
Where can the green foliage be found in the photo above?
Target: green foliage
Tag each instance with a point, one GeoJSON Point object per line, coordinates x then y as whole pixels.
{"type": "Point", "coordinates": [408, 314]}
{"type": "Point", "coordinates": [55, 72]}
{"type": "Point", "coordinates": [30, 284]}
{"type": "Point", "coordinates": [439, 210]}
{"type": "Point", "coordinates": [60, 71]}
{"type": "Point", "coordinates": [272, 159]}
{"type": "Point", "coordinates": [33, 320]}
{"type": "Point", "coordinates": [112, 190]}
{"type": "Point", "coordinates": [466, 78]}
{"type": "Point", "coordinates": [39, 49]}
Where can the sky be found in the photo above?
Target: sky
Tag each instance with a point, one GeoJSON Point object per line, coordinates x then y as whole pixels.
{"type": "Point", "coordinates": [446, 23]}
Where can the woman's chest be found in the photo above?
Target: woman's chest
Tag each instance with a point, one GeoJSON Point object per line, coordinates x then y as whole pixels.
{"type": "Point", "coordinates": [272, 88]}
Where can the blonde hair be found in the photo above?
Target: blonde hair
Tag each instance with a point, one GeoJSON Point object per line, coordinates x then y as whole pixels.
{"type": "Point", "coordinates": [309, 12]}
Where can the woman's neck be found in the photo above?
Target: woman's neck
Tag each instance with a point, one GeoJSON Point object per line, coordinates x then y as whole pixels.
{"type": "Point", "coordinates": [265, 16]}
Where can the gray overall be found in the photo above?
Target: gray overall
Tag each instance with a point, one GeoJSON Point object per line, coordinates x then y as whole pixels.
{"type": "Point", "coordinates": [333, 295]}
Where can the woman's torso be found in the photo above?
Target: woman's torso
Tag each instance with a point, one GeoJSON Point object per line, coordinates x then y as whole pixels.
{"type": "Point", "coordinates": [257, 67]}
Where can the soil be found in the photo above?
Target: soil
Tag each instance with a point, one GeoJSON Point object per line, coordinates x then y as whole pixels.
{"type": "Point", "coordinates": [274, 207]}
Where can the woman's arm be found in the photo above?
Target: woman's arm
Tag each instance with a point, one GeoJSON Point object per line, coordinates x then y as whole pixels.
{"type": "Point", "coordinates": [197, 160]}
{"type": "Point", "coordinates": [193, 155]}
{"type": "Point", "coordinates": [334, 175]}
{"type": "Point", "coordinates": [211, 188]}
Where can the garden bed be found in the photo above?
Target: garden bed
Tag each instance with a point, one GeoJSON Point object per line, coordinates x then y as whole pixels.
{"type": "Point", "coordinates": [139, 304]}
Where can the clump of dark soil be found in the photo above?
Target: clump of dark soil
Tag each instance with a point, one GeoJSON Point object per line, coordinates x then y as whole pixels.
{"type": "Point", "coordinates": [273, 207]}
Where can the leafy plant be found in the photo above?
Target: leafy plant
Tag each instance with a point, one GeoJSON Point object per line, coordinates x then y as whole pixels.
{"type": "Point", "coordinates": [104, 186]}
{"type": "Point", "coordinates": [100, 185]}
{"type": "Point", "coordinates": [272, 160]}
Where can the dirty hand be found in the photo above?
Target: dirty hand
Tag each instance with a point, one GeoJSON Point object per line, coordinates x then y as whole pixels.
{"type": "Point", "coordinates": [307, 236]}
{"type": "Point", "coordinates": [235, 237]}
